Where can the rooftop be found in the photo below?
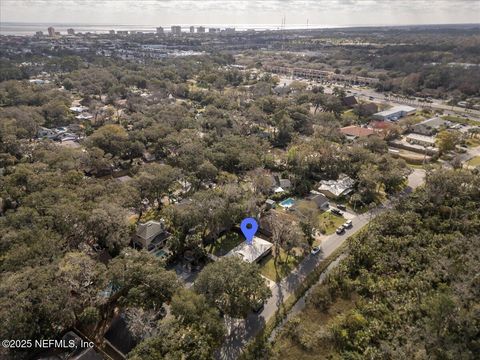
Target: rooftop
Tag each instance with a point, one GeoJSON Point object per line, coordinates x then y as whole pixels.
{"type": "Point", "coordinates": [337, 187]}
{"type": "Point", "coordinates": [396, 109]}
{"type": "Point", "coordinates": [149, 230]}
{"type": "Point", "coordinates": [253, 252]}
{"type": "Point", "coordinates": [357, 131]}
{"type": "Point", "coordinates": [423, 138]}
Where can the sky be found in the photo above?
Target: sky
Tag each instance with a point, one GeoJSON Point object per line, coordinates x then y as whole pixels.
{"type": "Point", "coordinates": [322, 13]}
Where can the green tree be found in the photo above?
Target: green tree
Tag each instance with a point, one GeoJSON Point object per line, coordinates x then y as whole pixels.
{"type": "Point", "coordinates": [447, 140]}
{"type": "Point", "coordinates": [232, 285]}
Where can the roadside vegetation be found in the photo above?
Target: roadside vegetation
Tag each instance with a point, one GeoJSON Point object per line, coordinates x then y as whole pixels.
{"type": "Point", "coordinates": [408, 286]}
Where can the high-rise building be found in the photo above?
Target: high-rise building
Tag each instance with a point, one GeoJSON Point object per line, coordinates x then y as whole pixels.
{"type": "Point", "coordinates": [192, 29]}
{"type": "Point", "coordinates": [39, 33]}
{"type": "Point", "coordinates": [51, 31]}
{"type": "Point", "coordinates": [112, 32]}
{"type": "Point", "coordinates": [70, 31]}
{"type": "Point", "coordinates": [176, 30]}
{"type": "Point", "coordinates": [160, 31]}
{"type": "Point", "coordinates": [201, 30]}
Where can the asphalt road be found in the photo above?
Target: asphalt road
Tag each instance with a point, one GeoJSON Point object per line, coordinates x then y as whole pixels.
{"type": "Point", "coordinates": [365, 93]}
{"type": "Point", "coordinates": [241, 331]}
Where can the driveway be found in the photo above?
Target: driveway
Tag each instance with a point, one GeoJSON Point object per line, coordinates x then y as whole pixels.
{"type": "Point", "coordinates": [241, 331]}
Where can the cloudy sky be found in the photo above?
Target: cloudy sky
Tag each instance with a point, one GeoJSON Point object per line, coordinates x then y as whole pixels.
{"type": "Point", "coordinates": [236, 12]}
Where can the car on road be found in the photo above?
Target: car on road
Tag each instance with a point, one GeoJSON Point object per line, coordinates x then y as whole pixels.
{"type": "Point", "coordinates": [337, 212]}
{"type": "Point", "coordinates": [348, 224]}
{"type": "Point", "coordinates": [340, 230]}
{"type": "Point", "coordinates": [315, 250]}
{"type": "Point", "coordinates": [342, 207]}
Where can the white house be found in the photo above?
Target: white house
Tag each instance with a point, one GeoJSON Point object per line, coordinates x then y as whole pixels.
{"type": "Point", "coordinates": [253, 252]}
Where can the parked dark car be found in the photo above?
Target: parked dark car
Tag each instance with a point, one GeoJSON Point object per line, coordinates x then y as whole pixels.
{"type": "Point", "coordinates": [258, 307]}
{"type": "Point", "coordinates": [337, 212]}
{"type": "Point", "coordinates": [342, 207]}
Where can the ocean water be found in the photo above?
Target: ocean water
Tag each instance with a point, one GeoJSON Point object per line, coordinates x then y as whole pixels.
{"type": "Point", "coordinates": [16, 28]}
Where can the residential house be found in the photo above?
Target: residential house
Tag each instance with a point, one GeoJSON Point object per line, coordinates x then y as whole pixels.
{"type": "Point", "coordinates": [78, 109]}
{"type": "Point", "coordinates": [270, 204]}
{"type": "Point", "coordinates": [336, 188]}
{"type": "Point", "coordinates": [151, 235]}
{"type": "Point", "coordinates": [280, 185]}
{"type": "Point", "coordinates": [282, 89]}
{"type": "Point", "coordinates": [84, 116]}
{"type": "Point", "coordinates": [422, 140]}
{"type": "Point", "coordinates": [320, 200]}
{"type": "Point", "coordinates": [354, 132]}
{"type": "Point", "coordinates": [44, 132]}
{"type": "Point", "coordinates": [430, 127]}
{"type": "Point", "coordinates": [254, 252]}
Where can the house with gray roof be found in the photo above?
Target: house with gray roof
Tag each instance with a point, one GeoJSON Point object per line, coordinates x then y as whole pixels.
{"type": "Point", "coordinates": [321, 201]}
{"type": "Point", "coordinates": [151, 235]}
{"type": "Point", "coordinates": [430, 126]}
{"type": "Point", "coordinates": [336, 188]}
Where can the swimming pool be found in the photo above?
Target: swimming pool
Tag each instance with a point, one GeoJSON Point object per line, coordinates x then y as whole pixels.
{"type": "Point", "coordinates": [287, 203]}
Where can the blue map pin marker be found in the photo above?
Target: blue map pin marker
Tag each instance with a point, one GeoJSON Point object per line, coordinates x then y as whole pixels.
{"type": "Point", "coordinates": [249, 227]}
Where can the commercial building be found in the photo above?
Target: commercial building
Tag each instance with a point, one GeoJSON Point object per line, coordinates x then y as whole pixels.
{"type": "Point", "coordinates": [71, 31]}
{"type": "Point", "coordinates": [51, 31]}
{"type": "Point", "coordinates": [395, 113]}
{"type": "Point", "coordinates": [192, 29]}
{"type": "Point", "coordinates": [112, 32]}
{"type": "Point", "coordinates": [230, 31]}
{"type": "Point", "coordinates": [176, 30]}
{"type": "Point", "coordinates": [160, 31]}
{"type": "Point", "coordinates": [201, 30]}
{"type": "Point", "coordinates": [39, 33]}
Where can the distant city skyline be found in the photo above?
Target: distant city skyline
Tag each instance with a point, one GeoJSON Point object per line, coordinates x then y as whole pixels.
{"type": "Point", "coordinates": [268, 13]}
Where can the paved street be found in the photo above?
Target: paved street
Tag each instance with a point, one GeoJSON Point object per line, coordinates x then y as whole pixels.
{"type": "Point", "coordinates": [241, 331]}
{"type": "Point", "coordinates": [364, 93]}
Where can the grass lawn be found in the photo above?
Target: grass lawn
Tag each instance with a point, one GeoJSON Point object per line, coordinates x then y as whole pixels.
{"type": "Point", "coordinates": [283, 268]}
{"type": "Point", "coordinates": [328, 223]}
{"type": "Point", "coordinates": [460, 120]}
{"type": "Point", "coordinates": [474, 161]}
{"type": "Point", "coordinates": [224, 244]}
